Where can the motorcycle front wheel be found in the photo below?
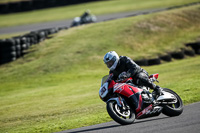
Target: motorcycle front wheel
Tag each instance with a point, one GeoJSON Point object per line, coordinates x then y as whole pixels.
{"type": "Point", "coordinates": [122, 115]}
{"type": "Point", "coordinates": [173, 109]}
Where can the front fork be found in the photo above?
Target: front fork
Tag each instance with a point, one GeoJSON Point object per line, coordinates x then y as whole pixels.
{"type": "Point", "coordinates": [120, 102]}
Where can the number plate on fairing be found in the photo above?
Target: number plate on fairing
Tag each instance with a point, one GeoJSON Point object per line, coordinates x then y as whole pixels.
{"type": "Point", "coordinates": [103, 91]}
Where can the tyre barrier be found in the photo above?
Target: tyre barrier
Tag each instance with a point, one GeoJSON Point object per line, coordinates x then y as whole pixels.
{"type": "Point", "coordinates": [195, 46]}
{"type": "Point", "coordinates": [189, 52]}
{"type": "Point", "coordinates": [178, 55]}
{"type": "Point", "coordinates": [14, 7]}
{"type": "Point", "coordinates": [154, 61]}
{"type": "Point", "coordinates": [4, 8]}
{"type": "Point", "coordinates": [191, 49]}
{"type": "Point", "coordinates": [16, 47]}
{"type": "Point", "coordinates": [28, 5]}
{"type": "Point", "coordinates": [166, 57]}
{"type": "Point", "coordinates": [142, 62]}
{"type": "Point", "coordinates": [38, 4]}
{"type": "Point", "coordinates": [7, 51]}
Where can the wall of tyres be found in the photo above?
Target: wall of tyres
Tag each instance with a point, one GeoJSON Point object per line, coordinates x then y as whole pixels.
{"type": "Point", "coordinates": [16, 47]}
{"type": "Point", "coordinates": [191, 49]}
{"type": "Point", "coordinates": [28, 5]}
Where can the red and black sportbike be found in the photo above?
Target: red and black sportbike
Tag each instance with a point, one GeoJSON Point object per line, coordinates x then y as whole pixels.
{"type": "Point", "coordinates": [127, 102]}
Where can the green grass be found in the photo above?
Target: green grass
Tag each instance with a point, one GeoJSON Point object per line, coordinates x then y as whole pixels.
{"type": "Point", "coordinates": [56, 87]}
{"type": "Point", "coordinates": [97, 8]}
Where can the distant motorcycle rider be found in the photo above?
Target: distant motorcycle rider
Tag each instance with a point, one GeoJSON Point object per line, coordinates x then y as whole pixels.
{"type": "Point", "coordinates": [85, 15]}
{"type": "Point", "coordinates": [123, 66]}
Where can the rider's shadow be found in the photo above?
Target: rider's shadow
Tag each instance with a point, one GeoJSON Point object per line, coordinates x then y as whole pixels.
{"type": "Point", "coordinates": [94, 129]}
{"type": "Point", "coordinates": [114, 125]}
{"type": "Point", "coordinates": [152, 119]}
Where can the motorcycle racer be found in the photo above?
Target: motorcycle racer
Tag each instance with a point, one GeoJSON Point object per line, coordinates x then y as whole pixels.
{"type": "Point", "coordinates": [123, 67]}
{"type": "Point", "coordinates": [85, 15]}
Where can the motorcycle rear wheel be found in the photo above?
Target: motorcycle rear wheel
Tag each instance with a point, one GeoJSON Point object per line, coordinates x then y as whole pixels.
{"type": "Point", "coordinates": [173, 109]}
{"type": "Point", "coordinates": [118, 114]}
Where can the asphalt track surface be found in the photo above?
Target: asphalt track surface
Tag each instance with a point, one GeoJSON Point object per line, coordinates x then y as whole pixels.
{"type": "Point", "coordinates": [67, 22]}
{"type": "Point", "coordinates": [187, 122]}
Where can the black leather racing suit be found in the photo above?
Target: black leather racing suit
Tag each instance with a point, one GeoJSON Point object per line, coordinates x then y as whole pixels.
{"type": "Point", "coordinates": [139, 75]}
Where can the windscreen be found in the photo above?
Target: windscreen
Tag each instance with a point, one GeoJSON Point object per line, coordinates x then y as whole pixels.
{"type": "Point", "coordinates": [104, 79]}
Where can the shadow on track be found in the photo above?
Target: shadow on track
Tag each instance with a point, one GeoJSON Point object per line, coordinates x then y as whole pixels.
{"type": "Point", "coordinates": [115, 125]}
{"type": "Point", "coordinates": [146, 120]}
{"type": "Point", "coordinates": [94, 129]}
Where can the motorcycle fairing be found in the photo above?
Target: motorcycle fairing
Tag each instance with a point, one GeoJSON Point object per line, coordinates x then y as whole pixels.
{"type": "Point", "coordinates": [137, 101]}
{"type": "Point", "coordinates": [77, 19]}
{"type": "Point", "coordinates": [125, 89]}
{"type": "Point", "coordinates": [103, 91]}
{"type": "Point", "coordinates": [130, 92]}
{"type": "Point", "coordinates": [149, 111]}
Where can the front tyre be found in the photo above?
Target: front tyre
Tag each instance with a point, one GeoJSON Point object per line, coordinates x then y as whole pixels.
{"type": "Point", "coordinates": [173, 109]}
{"type": "Point", "coordinates": [121, 115]}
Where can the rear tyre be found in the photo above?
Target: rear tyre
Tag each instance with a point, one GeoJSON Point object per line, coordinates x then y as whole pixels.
{"type": "Point", "coordinates": [120, 115]}
{"type": "Point", "coordinates": [173, 109]}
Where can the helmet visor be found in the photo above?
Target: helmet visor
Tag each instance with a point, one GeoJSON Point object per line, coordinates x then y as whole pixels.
{"type": "Point", "coordinates": [111, 62]}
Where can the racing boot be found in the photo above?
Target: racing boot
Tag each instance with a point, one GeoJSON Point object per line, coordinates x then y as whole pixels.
{"type": "Point", "coordinates": [157, 90]}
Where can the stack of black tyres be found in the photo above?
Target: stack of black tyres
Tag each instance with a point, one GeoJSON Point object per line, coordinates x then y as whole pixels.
{"type": "Point", "coordinates": [28, 5]}
{"type": "Point", "coordinates": [4, 8]}
{"type": "Point", "coordinates": [166, 57]}
{"type": "Point", "coordinates": [7, 51]}
{"type": "Point", "coordinates": [14, 7]}
{"type": "Point", "coordinates": [195, 46]}
{"type": "Point", "coordinates": [178, 54]}
{"type": "Point", "coordinates": [154, 61]}
{"type": "Point", "coordinates": [16, 47]}
{"type": "Point", "coordinates": [190, 50]}
{"type": "Point", "coordinates": [142, 62]}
